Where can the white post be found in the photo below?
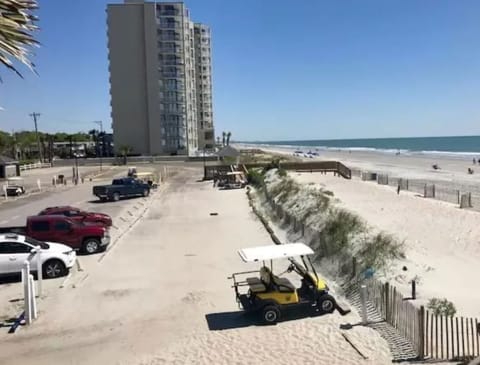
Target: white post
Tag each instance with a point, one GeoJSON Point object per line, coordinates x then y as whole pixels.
{"type": "Point", "coordinates": [165, 173]}
{"type": "Point", "coordinates": [54, 180]}
{"type": "Point", "coordinates": [39, 185]}
{"type": "Point", "coordinates": [5, 191]}
{"type": "Point", "coordinates": [33, 300]}
{"type": "Point", "coordinates": [39, 271]}
{"type": "Point", "coordinates": [27, 292]}
{"type": "Point", "coordinates": [363, 299]}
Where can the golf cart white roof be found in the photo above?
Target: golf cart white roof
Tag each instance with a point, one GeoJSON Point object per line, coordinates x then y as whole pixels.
{"type": "Point", "coordinates": [272, 252]}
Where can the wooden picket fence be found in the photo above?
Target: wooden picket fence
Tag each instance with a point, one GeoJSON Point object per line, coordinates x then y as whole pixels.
{"type": "Point", "coordinates": [450, 338]}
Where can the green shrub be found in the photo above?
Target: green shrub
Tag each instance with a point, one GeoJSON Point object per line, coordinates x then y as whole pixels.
{"type": "Point", "coordinates": [340, 228]}
{"type": "Point", "coordinates": [256, 178]}
{"type": "Point", "coordinates": [379, 249]}
{"type": "Point", "coordinates": [281, 172]}
{"type": "Point", "coordinates": [441, 307]}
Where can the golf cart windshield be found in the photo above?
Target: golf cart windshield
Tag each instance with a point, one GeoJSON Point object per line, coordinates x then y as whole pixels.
{"type": "Point", "coordinates": [272, 252]}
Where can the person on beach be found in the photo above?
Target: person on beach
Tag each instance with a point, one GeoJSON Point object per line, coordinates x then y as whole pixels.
{"type": "Point", "coordinates": [398, 189]}
{"type": "Point", "coordinates": [474, 162]}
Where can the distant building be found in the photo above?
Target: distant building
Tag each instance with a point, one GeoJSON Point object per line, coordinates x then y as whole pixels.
{"type": "Point", "coordinates": [154, 76]}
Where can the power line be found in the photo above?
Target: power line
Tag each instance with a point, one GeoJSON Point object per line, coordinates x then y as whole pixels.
{"type": "Point", "coordinates": [35, 115]}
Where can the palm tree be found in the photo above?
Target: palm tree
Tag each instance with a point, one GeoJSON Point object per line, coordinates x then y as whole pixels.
{"type": "Point", "coordinates": [229, 134]}
{"type": "Point", "coordinates": [224, 136]}
{"type": "Point", "coordinates": [17, 23]}
{"type": "Point", "coordinates": [125, 150]}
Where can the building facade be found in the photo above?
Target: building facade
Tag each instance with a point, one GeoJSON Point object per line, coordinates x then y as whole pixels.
{"type": "Point", "coordinates": [203, 73]}
{"type": "Point", "coordinates": [153, 78]}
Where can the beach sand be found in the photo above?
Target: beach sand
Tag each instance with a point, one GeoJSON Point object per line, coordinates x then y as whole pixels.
{"type": "Point", "coordinates": [442, 242]}
{"type": "Point", "coordinates": [162, 297]}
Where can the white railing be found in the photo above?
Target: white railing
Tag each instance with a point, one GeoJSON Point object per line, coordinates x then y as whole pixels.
{"type": "Point", "coordinates": [38, 165]}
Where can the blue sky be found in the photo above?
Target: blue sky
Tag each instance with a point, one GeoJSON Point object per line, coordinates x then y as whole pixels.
{"type": "Point", "coordinates": [282, 70]}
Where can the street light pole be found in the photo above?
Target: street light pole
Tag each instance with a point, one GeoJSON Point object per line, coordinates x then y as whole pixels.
{"type": "Point", "coordinates": [100, 123]}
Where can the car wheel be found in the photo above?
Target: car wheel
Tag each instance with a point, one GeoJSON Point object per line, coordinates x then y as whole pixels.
{"type": "Point", "coordinates": [91, 245]}
{"type": "Point", "coordinates": [145, 192]}
{"type": "Point", "coordinates": [271, 314]}
{"type": "Point", "coordinates": [54, 269]}
{"type": "Point", "coordinates": [116, 197]}
{"type": "Point", "coordinates": [326, 303]}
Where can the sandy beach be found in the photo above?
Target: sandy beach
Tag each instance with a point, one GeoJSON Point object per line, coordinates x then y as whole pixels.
{"type": "Point", "coordinates": [162, 297]}
{"type": "Point", "coordinates": [442, 242]}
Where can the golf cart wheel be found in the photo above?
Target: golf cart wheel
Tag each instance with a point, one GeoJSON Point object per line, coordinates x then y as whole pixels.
{"type": "Point", "coordinates": [270, 314]}
{"type": "Point", "coordinates": [326, 303]}
{"type": "Point", "coordinates": [145, 192]}
{"type": "Point", "coordinates": [54, 269]}
{"type": "Point", "coordinates": [91, 245]}
{"type": "Point", "coordinates": [116, 197]}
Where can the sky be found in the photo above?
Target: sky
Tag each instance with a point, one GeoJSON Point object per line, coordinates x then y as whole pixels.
{"type": "Point", "coordinates": [282, 70]}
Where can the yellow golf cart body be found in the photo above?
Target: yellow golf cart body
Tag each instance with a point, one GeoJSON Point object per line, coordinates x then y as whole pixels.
{"type": "Point", "coordinates": [271, 295]}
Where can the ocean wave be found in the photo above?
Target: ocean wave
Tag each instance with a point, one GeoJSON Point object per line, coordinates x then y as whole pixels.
{"type": "Point", "coordinates": [309, 148]}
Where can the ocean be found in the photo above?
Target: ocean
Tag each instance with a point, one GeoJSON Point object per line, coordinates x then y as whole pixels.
{"type": "Point", "coordinates": [457, 145]}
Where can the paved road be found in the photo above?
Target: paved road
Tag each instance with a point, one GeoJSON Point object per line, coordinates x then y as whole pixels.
{"type": "Point", "coordinates": [15, 212]}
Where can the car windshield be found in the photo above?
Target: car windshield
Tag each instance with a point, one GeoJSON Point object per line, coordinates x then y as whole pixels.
{"type": "Point", "coordinates": [34, 242]}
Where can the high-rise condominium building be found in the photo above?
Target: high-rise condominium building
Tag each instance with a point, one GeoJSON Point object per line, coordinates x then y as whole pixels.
{"type": "Point", "coordinates": [157, 70]}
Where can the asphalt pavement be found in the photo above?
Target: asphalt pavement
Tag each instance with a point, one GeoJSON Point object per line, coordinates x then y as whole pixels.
{"type": "Point", "coordinates": [15, 212]}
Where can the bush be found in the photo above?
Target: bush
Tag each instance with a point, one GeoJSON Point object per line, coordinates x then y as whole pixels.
{"type": "Point", "coordinates": [256, 178]}
{"type": "Point", "coordinates": [378, 250]}
{"type": "Point", "coordinates": [281, 172]}
{"type": "Point", "coordinates": [339, 230]}
{"type": "Point", "coordinates": [441, 307]}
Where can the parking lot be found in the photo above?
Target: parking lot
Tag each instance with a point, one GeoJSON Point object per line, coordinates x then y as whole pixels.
{"type": "Point", "coordinates": [14, 212]}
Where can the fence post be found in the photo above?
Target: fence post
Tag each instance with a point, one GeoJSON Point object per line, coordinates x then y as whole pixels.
{"type": "Point", "coordinates": [425, 191]}
{"type": "Point", "coordinates": [433, 190]}
{"type": "Point", "coordinates": [27, 292]}
{"type": "Point", "coordinates": [421, 333]}
{"type": "Point", "coordinates": [363, 299]}
{"type": "Point", "coordinates": [414, 289]}
{"type": "Point", "coordinates": [469, 200]}
{"type": "Point", "coordinates": [407, 184]}
{"type": "Point", "coordinates": [387, 304]}
{"type": "Point", "coordinates": [458, 196]}
{"type": "Point", "coordinates": [39, 271]}
{"type": "Point", "coordinates": [33, 303]}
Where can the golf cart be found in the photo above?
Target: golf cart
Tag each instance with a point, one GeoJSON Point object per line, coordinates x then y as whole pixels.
{"type": "Point", "coordinates": [270, 295]}
{"type": "Point", "coordinates": [15, 186]}
{"type": "Point", "coordinates": [148, 178]}
{"type": "Point", "coordinates": [233, 180]}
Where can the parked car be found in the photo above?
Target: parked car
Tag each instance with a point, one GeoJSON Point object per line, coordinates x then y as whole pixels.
{"type": "Point", "coordinates": [15, 249]}
{"type": "Point", "coordinates": [84, 236]}
{"type": "Point", "coordinates": [78, 215]}
{"type": "Point", "coordinates": [125, 187]}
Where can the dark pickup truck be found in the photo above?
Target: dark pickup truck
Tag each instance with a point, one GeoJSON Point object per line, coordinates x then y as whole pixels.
{"type": "Point", "coordinates": [87, 237]}
{"type": "Point", "coordinates": [125, 187]}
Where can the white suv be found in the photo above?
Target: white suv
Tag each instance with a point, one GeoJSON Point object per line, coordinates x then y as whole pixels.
{"type": "Point", "coordinates": [15, 249]}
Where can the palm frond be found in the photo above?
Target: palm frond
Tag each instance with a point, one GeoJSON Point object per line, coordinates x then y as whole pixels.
{"type": "Point", "coordinates": [17, 23]}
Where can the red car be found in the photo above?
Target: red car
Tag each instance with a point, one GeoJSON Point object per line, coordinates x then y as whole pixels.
{"type": "Point", "coordinates": [78, 215]}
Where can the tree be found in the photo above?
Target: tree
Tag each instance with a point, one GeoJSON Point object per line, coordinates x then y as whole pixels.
{"type": "Point", "coordinates": [17, 23]}
{"type": "Point", "coordinates": [229, 134]}
{"type": "Point", "coordinates": [125, 150]}
{"type": "Point", "coordinates": [224, 136]}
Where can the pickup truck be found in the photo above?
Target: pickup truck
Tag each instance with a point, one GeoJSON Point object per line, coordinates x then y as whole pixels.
{"type": "Point", "coordinates": [86, 237]}
{"type": "Point", "coordinates": [124, 187]}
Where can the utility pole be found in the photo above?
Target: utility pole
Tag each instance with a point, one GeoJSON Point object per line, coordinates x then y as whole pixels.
{"type": "Point", "coordinates": [100, 123]}
{"type": "Point", "coordinates": [35, 115]}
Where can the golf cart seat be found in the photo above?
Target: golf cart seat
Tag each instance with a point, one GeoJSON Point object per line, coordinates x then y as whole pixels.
{"type": "Point", "coordinates": [256, 285]}
{"type": "Point", "coordinates": [283, 284]}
